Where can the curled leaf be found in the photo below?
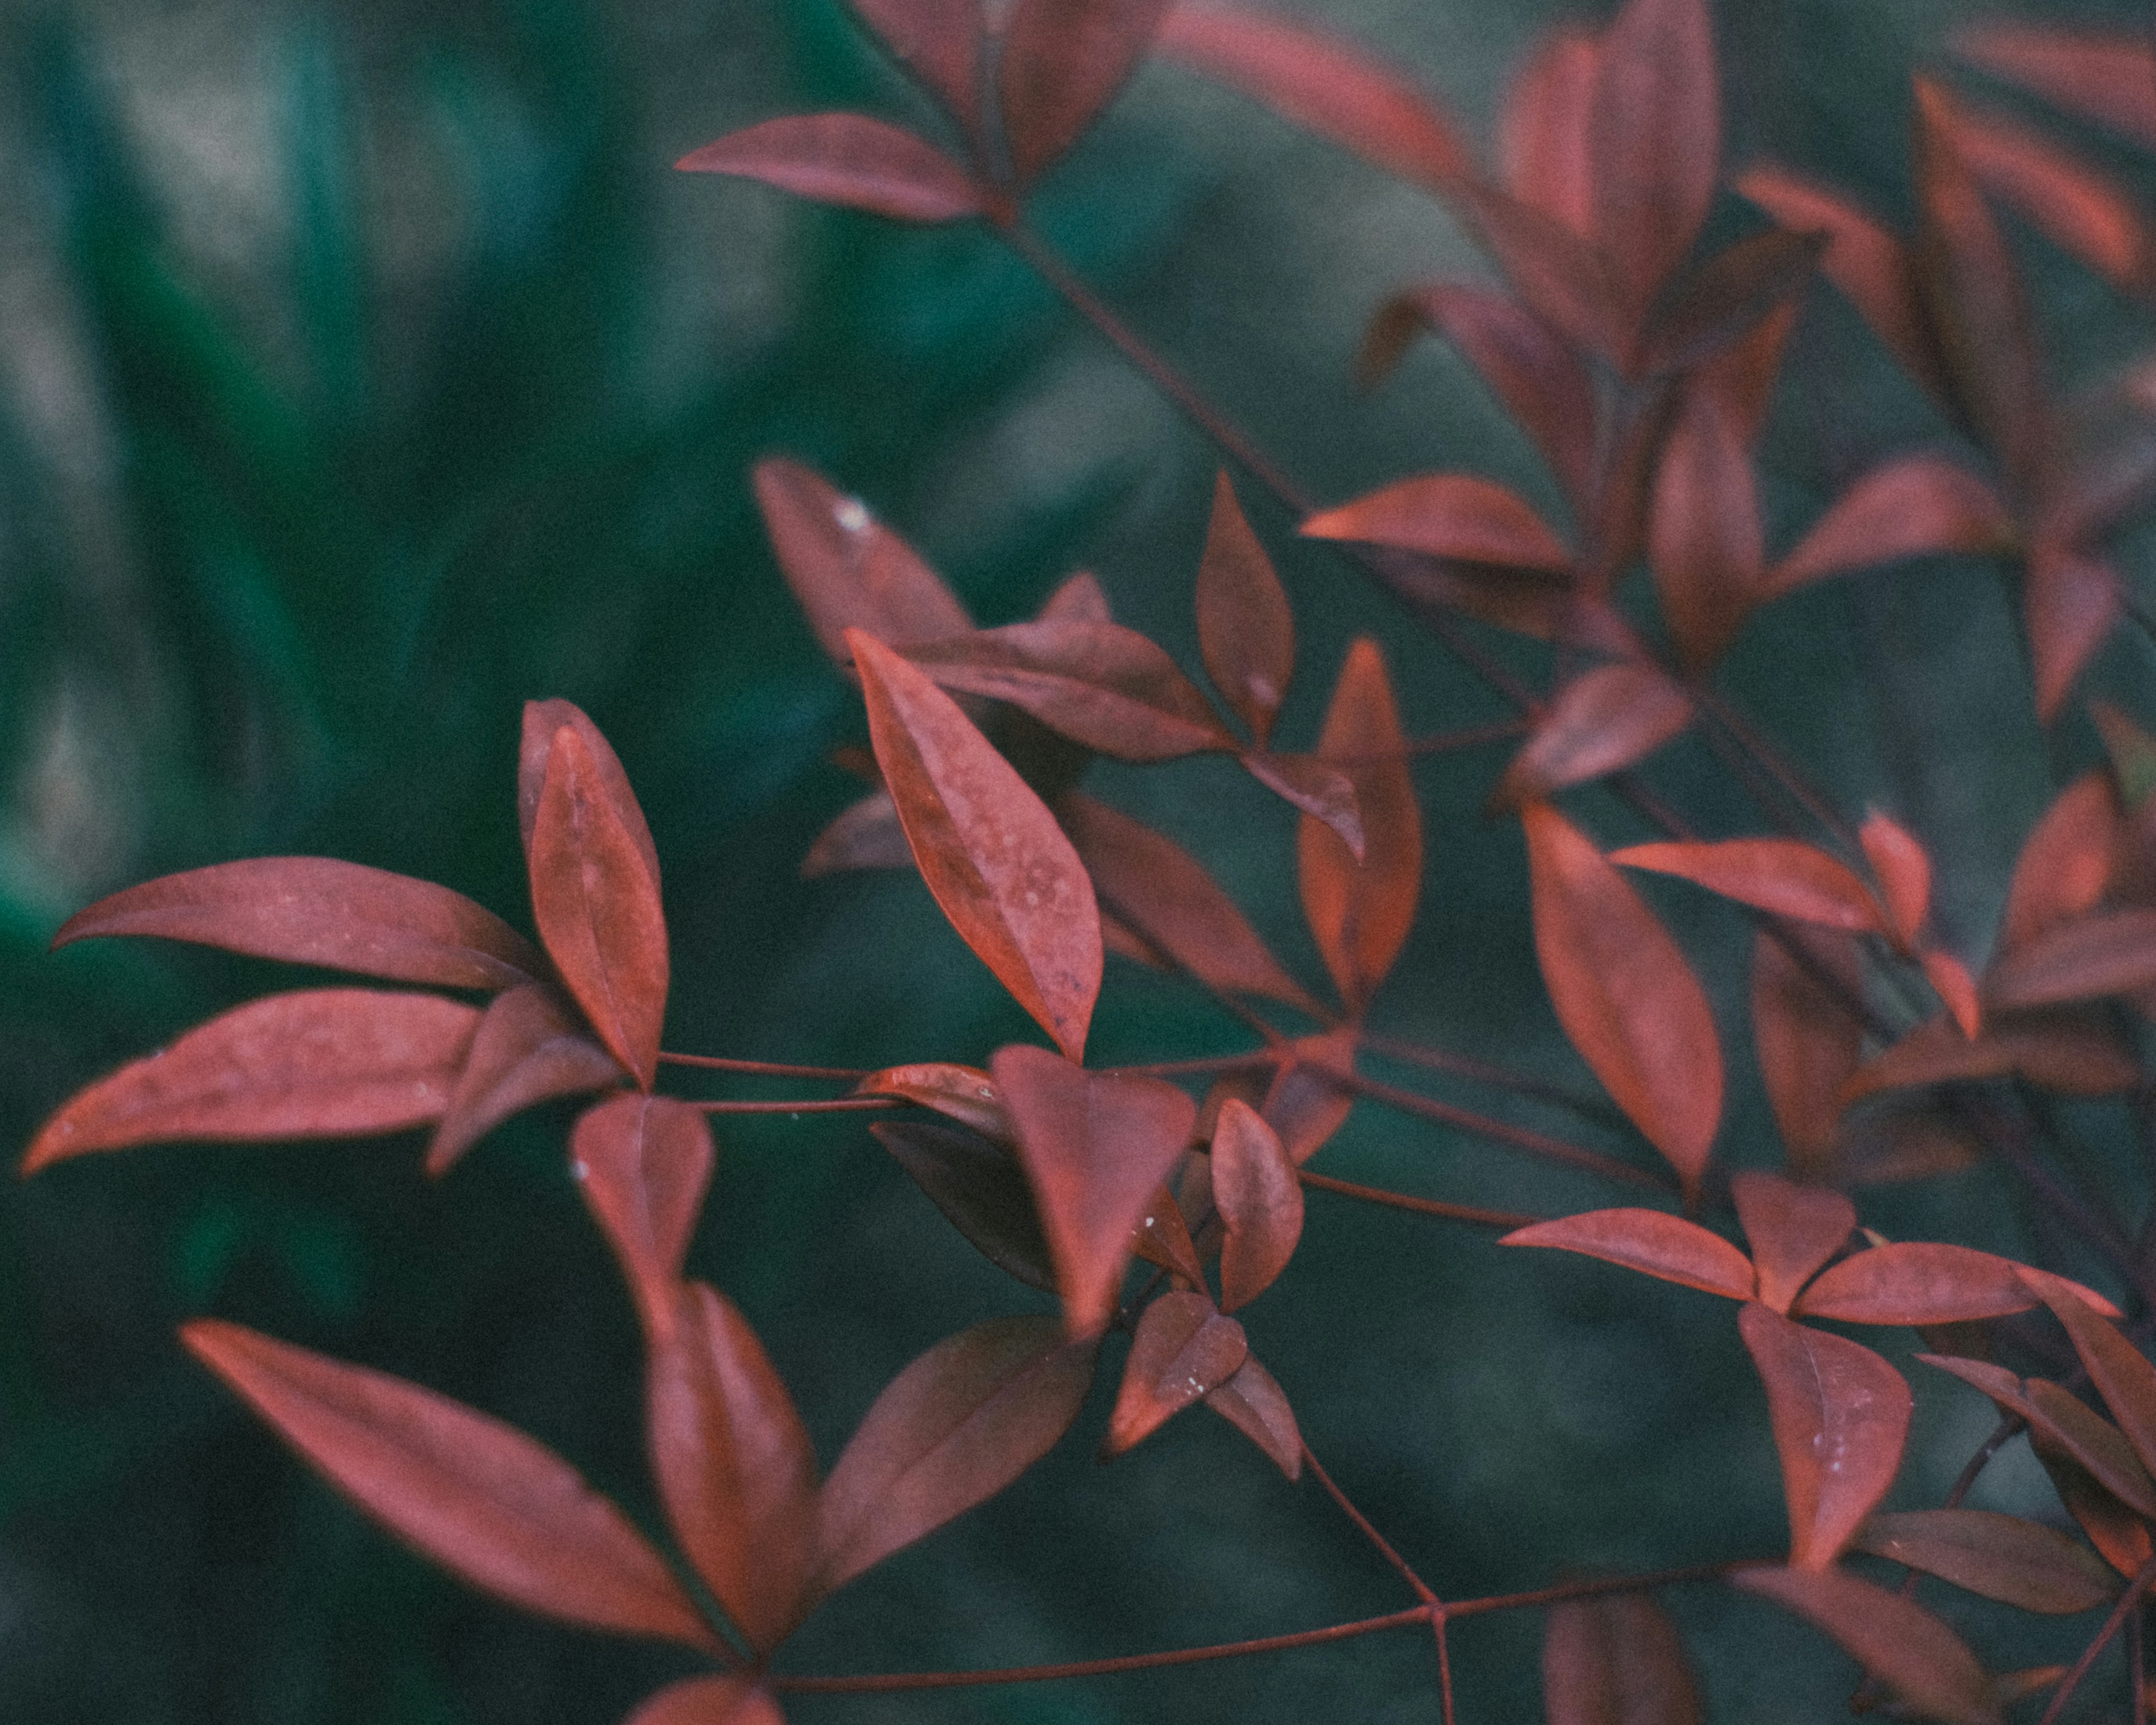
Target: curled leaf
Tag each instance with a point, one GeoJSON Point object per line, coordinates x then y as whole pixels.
{"type": "Point", "coordinates": [543, 721]}
{"type": "Point", "coordinates": [980, 1188]}
{"type": "Point", "coordinates": [965, 1094]}
{"type": "Point", "coordinates": [1904, 872]}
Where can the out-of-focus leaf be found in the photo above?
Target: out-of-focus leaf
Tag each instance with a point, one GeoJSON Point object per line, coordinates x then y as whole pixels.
{"type": "Point", "coordinates": [845, 159]}
{"type": "Point", "coordinates": [1602, 721]}
{"type": "Point", "coordinates": [484, 1502]}
{"type": "Point", "coordinates": [525, 1049]}
{"type": "Point", "coordinates": [596, 901]}
{"type": "Point", "coordinates": [939, 43]}
{"type": "Point", "coordinates": [1904, 873]}
{"type": "Point", "coordinates": [1245, 630]}
{"type": "Point", "coordinates": [1184, 1349]}
{"type": "Point", "coordinates": [2132, 752]}
{"type": "Point", "coordinates": [2001, 1557]}
{"type": "Point", "coordinates": [1255, 1404]}
{"type": "Point", "coordinates": [980, 1187]}
{"type": "Point", "coordinates": [1926, 1665]}
{"type": "Point", "coordinates": [1703, 538]}
{"type": "Point", "coordinates": [1562, 276]}
{"type": "Point", "coordinates": [1615, 1660]}
{"type": "Point", "coordinates": [1780, 876]}
{"type": "Point", "coordinates": [2084, 212]}
{"type": "Point", "coordinates": [1305, 1103]}
{"type": "Point", "coordinates": [709, 1701]}
{"type": "Point", "coordinates": [1793, 1230]}
{"type": "Point", "coordinates": [2091, 1442]}
{"type": "Point", "coordinates": [1259, 1201]}
{"type": "Point", "coordinates": [2121, 1372]}
{"type": "Point", "coordinates": [1323, 791]}
{"type": "Point", "coordinates": [987, 846]}
{"type": "Point", "coordinates": [1743, 374]}
{"type": "Point", "coordinates": [1447, 515]}
{"type": "Point", "coordinates": [1917, 1283]}
{"type": "Point", "coordinates": [1727, 298]}
{"type": "Point", "coordinates": [643, 1165]}
{"type": "Point", "coordinates": [2070, 601]}
{"type": "Point", "coordinates": [1650, 1241]}
{"type": "Point", "coordinates": [862, 836]}
{"type": "Point", "coordinates": [2077, 1053]}
{"type": "Point", "coordinates": [1096, 1147]}
{"type": "Point", "coordinates": [313, 909]}
{"type": "Point", "coordinates": [950, 1431]}
{"type": "Point", "coordinates": [1062, 62]}
{"type": "Point", "coordinates": [1626, 998]}
{"type": "Point", "coordinates": [2066, 862]}
{"type": "Point", "coordinates": [1809, 1038]}
{"type": "Point", "coordinates": [1919, 506]}
{"type": "Point", "coordinates": [1956, 988]}
{"type": "Point", "coordinates": [323, 1063]}
{"type": "Point", "coordinates": [2108, 76]}
{"type": "Point", "coordinates": [1543, 149]}
{"type": "Point", "coordinates": [2101, 953]}
{"type": "Point", "coordinates": [1840, 1416]}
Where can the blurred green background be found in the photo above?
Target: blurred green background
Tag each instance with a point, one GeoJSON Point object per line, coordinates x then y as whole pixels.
{"type": "Point", "coordinates": [365, 372]}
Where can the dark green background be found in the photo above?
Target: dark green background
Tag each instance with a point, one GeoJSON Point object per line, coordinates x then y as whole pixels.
{"type": "Point", "coordinates": [367, 373]}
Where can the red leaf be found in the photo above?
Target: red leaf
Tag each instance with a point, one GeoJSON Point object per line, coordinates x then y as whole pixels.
{"type": "Point", "coordinates": [1259, 1201]}
{"type": "Point", "coordinates": [1624, 993]}
{"type": "Point", "coordinates": [987, 846]}
{"type": "Point", "coordinates": [1078, 599]}
{"type": "Point", "coordinates": [846, 568]}
{"type": "Point", "coordinates": [1615, 1660]}
{"type": "Point", "coordinates": [1562, 277]}
{"type": "Point", "coordinates": [2077, 1053]}
{"type": "Point", "coordinates": [525, 1049]}
{"type": "Point", "coordinates": [2121, 1372]}
{"type": "Point", "coordinates": [1778, 875]}
{"type": "Point", "coordinates": [1162, 1237]}
{"type": "Point", "coordinates": [1871, 266]}
{"type": "Point", "coordinates": [1184, 1349]}
{"type": "Point", "coordinates": [1793, 1230]}
{"type": "Point", "coordinates": [1525, 363]}
{"type": "Point", "coordinates": [2090, 1443]}
{"type": "Point", "coordinates": [1909, 1282]}
{"type": "Point", "coordinates": [2107, 76]}
{"type": "Point", "coordinates": [1305, 1103]}
{"type": "Point", "coordinates": [1743, 374]}
{"type": "Point", "coordinates": [980, 1188]}
{"type": "Point", "coordinates": [1096, 1147]}
{"type": "Point", "coordinates": [1840, 1416]}
{"type": "Point", "coordinates": [324, 1063]}
{"type": "Point", "coordinates": [1904, 873]}
{"type": "Point", "coordinates": [950, 1431]}
{"type": "Point", "coordinates": [845, 159]}
{"type": "Point", "coordinates": [543, 720]}
{"type": "Point", "coordinates": [1359, 912]}
{"type": "Point", "coordinates": [1655, 133]}
{"type": "Point", "coordinates": [2069, 600]}
{"type": "Point", "coordinates": [2101, 953]}
{"type": "Point", "coordinates": [1920, 506]}
{"type": "Point", "coordinates": [1703, 538]}
{"type": "Point", "coordinates": [1808, 1038]}
{"type": "Point", "coordinates": [2001, 1557]}
{"type": "Point", "coordinates": [2117, 1532]}
{"type": "Point", "coordinates": [734, 1465]}
{"type": "Point", "coordinates": [1650, 1241]}
{"type": "Point", "coordinates": [1600, 722]}
{"type": "Point", "coordinates": [597, 904]}
{"type": "Point", "coordinates": [1245, 630]}
{"type": "Point", "coordinates": [644, 1164]}
{"type": "Point", "coordinates": [2065, 861]}
{"type": "Point", "coordinates": [1923, 1662]}
{"type": "Point", "coordinates": [967, 1093]}
{"type": "Point", "coordinates": [1063, 61]}
{"type": "Point", "coordinates": [1543, 149]}
{"type": "Point", "coordinates": [483, 1501]}
{"type": "Point", "coordinates": [2083, 212]}
{"type": "Point", "coordinates": [1256, 1406]}
{"type": "Point", "coordinates": [1727, 300]}
{"type": "Point", "coordinates": [709, 1701]}
{"type": "Point", "coordinates": [939, 43]}
{"type": "Point", "coordinates": [313, 910]}
{"type": "Point", "coordinates": [1956, 988]}
{"type": "Point", "coordinates": [1162, 892]}
{"type": "Point", "coordinates": [1321, 83]}
{"type": "Point", "coordinates": [1096, 683]}
{"type": "Point", "coordinates": [862, 836]}
{"type": "Point", "coordinates": [1447, 515]}
{"type": "Point", "coordinates": [1306, 782]}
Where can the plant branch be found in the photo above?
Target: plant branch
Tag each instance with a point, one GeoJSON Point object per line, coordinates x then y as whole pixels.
{"type": "Point", "coordinates": [1364, 1527]}
{"type": "Point", "coordinates": [828, 1104]}
{"type": "Point", "coordinates": [1596, 1588]}
{"type": "Point", "coordinates": [761, 1069]}
{"type": "Point", "coordinates": [2129, 1601]}
{"type": "Point", "coordinates": [1519, 1137]}
{"type": "Point", "coordinates": [1421, 1206]}
{"type": "Point", "coordinates": [1442, 1060]}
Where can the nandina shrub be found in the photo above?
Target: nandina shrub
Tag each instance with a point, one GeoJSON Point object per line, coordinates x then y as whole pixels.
{"type": "Point", "coordinates": [1738, 1148]}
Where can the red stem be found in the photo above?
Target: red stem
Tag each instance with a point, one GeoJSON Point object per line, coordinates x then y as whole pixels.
{"type": "Point", "coordinates": [1420, 1206]}
{"type": "Point", "coordinates": [1362, 1525]}
{"type": "Point", "coordinates": [1442, 1060]}
{"type": "Point", "coordinates": [2128, 1602]}
{"type": "Point", "coordinates": [761, 1068]}
{"type": "Point", "coordinates": [828, 1104]}
{"type": "Point", "coordinates": [1520, 1137]}
{"type": "Point", "coordinates": [1257, 1060]}
{"type": "Point", "coordinates": [1591, 1589]}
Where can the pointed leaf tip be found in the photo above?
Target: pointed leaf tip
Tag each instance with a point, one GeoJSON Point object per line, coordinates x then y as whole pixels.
{"type": "Point", "coordinates": [845, 159]}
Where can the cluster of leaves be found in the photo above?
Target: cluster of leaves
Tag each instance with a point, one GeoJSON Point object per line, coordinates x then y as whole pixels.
{"type": "Point", "coordinates": [1643, 374]}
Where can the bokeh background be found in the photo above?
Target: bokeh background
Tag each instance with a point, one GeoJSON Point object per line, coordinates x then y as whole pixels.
{"type": "Point", "coordinates": [365, 372]}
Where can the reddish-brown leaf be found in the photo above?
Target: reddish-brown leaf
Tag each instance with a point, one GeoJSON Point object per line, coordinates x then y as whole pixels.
{"type": "Point", "coordinates": [482, 1500]}
{"type": "Point", "coordinates": [1841, 1415]}
{"type": "Point", "coordinates": [644, 1164]}
{"type": "Point", "coordinates": [1655, 135]}
{"type": "Point", "coordinates": [2120, 1535]}
{"type": "Point", "coordinates": [1873, 268]}
{"type": "Point", "coordinates": [1615, 1660]}
{"type": "Point", "coordinates": [1904, 873]}
{"type": "Point", "coordinates": [2001, 1557]}
{"type": "Point", "coordinates": [1078, 599]}
{"type": "Point", "coordinates": [2065, 861]}
{"type": "Point", "coordinates": [846, 568]}
{"type": "Point", "coordinates": [1651, 1241]}
{"type": "Point", "coordinates": [2060, 1422]}
{"type": "Point", "coordinates": [1305, 1103]}
{"type": "Point", "coordinates": [1359, 912]}
{"type": "Point", "coordinates": [596, 900]}
{"type": "Point", "coordinates": [1543, 149]}
{"type": "Point", "coordinates": [2107, 76]}
{"type": "Point", "coordinates": [733, 1463]}
{"type": "Point", "coordinates": [543, 720]}
{"type": "Point", "coordinates": [1793, 1230]}
{"type": "Point", "coordinates": [846, 159]}
{"type": "Point", "coordinates": [1245, 630]}
{"type": "Point", "coordinates": [1062, 62]}
{"type": "Point", "coordinates": [1164, 893]}
{"type": "Point", "coordinates": [990, 850]}
{"type": "Point", "coordinates": [324, 1063]}
{"type": "Point", "coordinates": [2070, 601]}
{"type": "Point", "coordinates": [1915, 1282]}
{"type": "Point", "coordinates": [1925, 1664]}
{"type": "Point", "coordinates": [1778, 875]}
{"type": "Point", "coordinates": [862, 836]}
{"type": "Point", "coordinates": [1096, 1146]}
{"type": "Point", "coordinates": [1956, 988]}
{"type": "Point", "coordinates": [1809, 1038]}
{"type": "Point", "coordinates": [1724, 302]}
{"type": "Point", "coordinates": [939, 43]}
{"type": "Point", "coordinates": [1447, 515]}
{"type": "Point", "coordinates": [1744, 373]}
{"type": "Point", "coordinates": [967, 1093]}
{"type": "Point", "coordinates": [1255, 1405]}
{"type": "Point", "coordinates": [1600, 722]}
{"type": "Point", "coordinates": [2077, 1054]}
{"type": "Point", "coordinates": [1321, 83]}
{"type": "Point", "coordinates": [980, 1188]}
{"type": "Point", "coordinates": [2103, 953]}
{"type": "Point", "coordinates": [527, 1049]}
{"type": "Point", "coordinates": [1184, 1350]}
{"type": "Point", "coordinates": [1920, 506]}
{"type": "Point", "coordinates": [1704, 539]}
{"type": "Point", "coordinates": [1304, 782]}
{"type": "Point", "coordinates": [1561, 276]}
{"type": "Point", "coordinates": [709, 1701]}
{"type": "Point", "coordinates": [2084, 212]}
{"type": "Point", "coordinates": [1259, 1201]}
{"type": "Point", "coordinates": [2120, 1371]}
{"type": "Point", "coordinates": [1624, 993]}
{"type": "Point", "coordinates": [313, 909]}
{"type": "Point", "coordinates": [950, 1431]}
{"type": "Point", "coordinates": [1096, 683]}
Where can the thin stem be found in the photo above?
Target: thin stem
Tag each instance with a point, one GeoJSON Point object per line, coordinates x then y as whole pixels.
{"type": "Point", "coordinates": [828, 1104]}
{"type": "Point", "coordinates": [1443, 1059]}
{"type": "Point", "coordinates": [1591, 1589]}
{"type": "Point", "coordinates": [761, 1068]}
{"type": "Point", "coordinates": [1437, 1625]}
{"type": "Point", "coordinates": [1257, 1061]}
{"type": "Point", "coordinates": [1519, 1137]}
{"type": "Point", "coordinates": [1792, 782]}
{"type": "Point", "coordinates": [1362, 1525]}
{"type": "Point", "coordinates": [1099, 1667]}
{"type": "Point", "coordinates": [1421, 1206]}
{"type": "Point", "coordinates": [2129, 1601]}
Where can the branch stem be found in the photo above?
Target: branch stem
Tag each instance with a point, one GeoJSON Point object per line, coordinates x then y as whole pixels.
{"type": "Point", "coordinates": [1502, 1131]}
{"type": "Point", "coordinates": [1421, 1206]}
{"type": "Point", "coordinates": [761, 1069]}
